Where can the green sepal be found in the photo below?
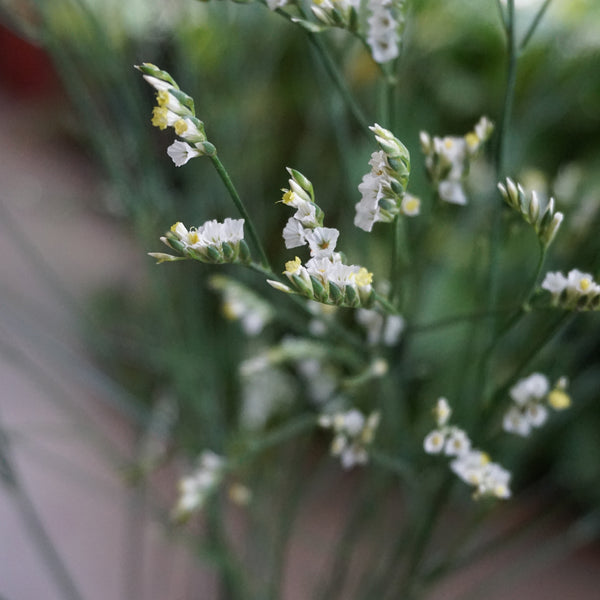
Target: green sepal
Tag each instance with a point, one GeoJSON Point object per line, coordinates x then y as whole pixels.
{"type": "Point", "coordinates": [184, 99]}
{"type": "Point", "coordinates": [353, 20]}
{"type": "Point", "coordinates": [213, 254]}
{"type": "Point", "coordinates": [352, 298]}
{"type": "Point", "coordinates": [228, 251]}
{"type": "Point", "coordinates": [302, 181]}
{"type": "Point", "coordinates": [154, 71]}
{"type": "Point", "coordinates": [244, 253]}
{"type": "Point", "coordinates": [302, 285]}
{"type": "Point", "coordinates": [174, 242]}
{"type": "Point", "coordinates": [319, 290]}
{"type": "Point", "coordinates": [206, 148]}
{"type": "Point", "coordinates": [336, 294]}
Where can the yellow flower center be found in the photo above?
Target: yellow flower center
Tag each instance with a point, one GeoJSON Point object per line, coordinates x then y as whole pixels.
{"type": "Point", "coordinates": [363, 277]}
{"type": "Point", "coordinates": [180, 126]}
{"type": "Point", "coordinates": [559, 400]}
{"type": "Point", "coordinates": [291, 266]}
{"type": "Point", "coordinates": [162, 97]}
{"type": "Point", "coordinates": [472, 140]}
{"type": "Point", "coordinates": [411, 205]}
{"type": "Point", "coordinates": [159, 117]}
{"type": "Point", "coordinates": [288, 196]}
{"type": "Point", "coordinates": [584, 284]}
{"type": "Point", "coordinates": [448, 143]}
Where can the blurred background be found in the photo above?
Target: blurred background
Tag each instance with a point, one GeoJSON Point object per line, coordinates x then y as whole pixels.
{"type": "Point", "coordinates": [116, 372]}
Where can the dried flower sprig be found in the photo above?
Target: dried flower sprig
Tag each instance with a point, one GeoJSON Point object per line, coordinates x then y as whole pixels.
{"type": "Point", "coordinates": [529, 399]}
{"type": "Point", "coordinates": [472, 466]}
{"type": "Point", "coordinates": [212, 242]}
{"type": "Point", "coordinates": [545, 222]}
{"type": "Point", "coordinates": [448, 159]}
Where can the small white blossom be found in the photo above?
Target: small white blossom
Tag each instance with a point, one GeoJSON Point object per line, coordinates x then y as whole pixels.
{"type": "Point", "coordinates": [434, 442]}
{"type": "Point", "coordinates": [353, 433]}
{"type": "Point", "coordinates": [294, 233]}
{"type": "Point", "coordinates": [322, 241]}
{"type": "Point", "coordinates": [181, 152]}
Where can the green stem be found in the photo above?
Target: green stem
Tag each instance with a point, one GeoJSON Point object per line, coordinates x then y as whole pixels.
{"type": "Point", "coordinates": [224, 175]}
{"type": "Point", "coordinates": [333, 71]}
{"type": "Point", "coordinates": [534, 24]}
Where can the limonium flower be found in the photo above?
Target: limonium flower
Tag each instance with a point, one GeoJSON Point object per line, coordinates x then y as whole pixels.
{"type": "Point", "coordinates": [575, 291]}
{"type": "Point", "coordinates": [176, 109]}
{"type": "Point", "coordinates": [353, 434]}
{"type": "Point", "coordinates": [448, 159]}
{"type": "Point", "coordinates": [325, 277]}
{"type": "Point", "coordinates": [529, 398]}
{"type": "Point", "coordinates": [471, 465]}
{"type": "Point", "coordinates": [212, 242]}
{"type": "Point", "coordinates": [383, 31]}
{"type": "Point", "coordinates": [383, 189]}
{"type": "Point", "coordinates": [197, 487]}
{"type": "Point", "coordinates": [545, 222]}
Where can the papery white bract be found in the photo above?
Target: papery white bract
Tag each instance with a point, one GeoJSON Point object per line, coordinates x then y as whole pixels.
{"type": "Point", "coordinates": [181, 152]}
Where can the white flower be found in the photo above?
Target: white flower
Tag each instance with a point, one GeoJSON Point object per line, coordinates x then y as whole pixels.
{"type": "Point", "coordinates": [322, 241]}
{"type": "Point", "coordinates": [294, 233]}
{"type": "Point", "coordinates": [434, 442]}
{"type": "Point", "coordinates": [452, 191]}
{"type": "Point", "coordinates": [442, 412]}
{"type": "Point", "coordinates": [382, 34]}
{"type": "Point", "coordinates": [516, 422]}
{"type": "Point", "coordinates": [306, 213]}
{"type": "Point", "coordinates": [581, 283]}
{"type": "Point", "coordinates": [555, 283]}
{"type": "Point", "coordinates": [532, 388]}
{"type": "Point", "coordinates": [157, 84]}
{"type": "Point", "coordinates": [411, 205]}
{"type": "Point", "coordinates": [353, 433]}
{"type": "Point", "coordinates": [213, 233]}
{"type": "Point", "coordinates": [181, 152]}
{"type": "Point", "coordinates": [457, 443]}
{"type": "Point", "coordinates": [368, 211]}
{"type": "Point", "coordinates": [536, 414]}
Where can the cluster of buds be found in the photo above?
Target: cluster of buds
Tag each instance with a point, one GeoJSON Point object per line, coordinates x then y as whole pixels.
{"type": "Point", "coordinates": [576, 291]}
{"type": "Point", "coordinates": [176, 109]}
{"type": "Point", "coordinates": [448, 159]}
{"type": "Point", "coordinates": [336, 13]}
{"type": "Point", "coordinates": [379, 22]}
{"type": "Point", "coordinates": [212, 242]}
{"type": "Point", "coordinates": [197, 487]}
{"type": "Point", "coordinates": [383, 189]}
{"type": "Point", "coordinates": [544, 221]}
{"type": "Point", "coordinates": [243, 305]}
{"type": "Point", "coordinates": [471, 465]}
{"type": "Point", "coordinates": [353, 434]}
{"type": "Point", "coordinates": [325, 278]}
{"type": "Point", "coordinates": [529, 398]}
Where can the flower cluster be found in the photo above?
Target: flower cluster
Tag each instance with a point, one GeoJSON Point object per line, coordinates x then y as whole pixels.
{"type": "Point", "coordinates": [240, 303]}
{"type": "Point", "coordinates": [354, 433]}
{"type": "Point", "coordinates": [325, 277]}
{"type": "Point", "coordinates": [471, 465]}
{"type": "Point", "coordinates": [197, 487]}
{"type": "Point", "coordinates": [529, 397]}
{"type": "Point", "coordinates": [448, 159]}
{"type": "Point", "coordinates": [176, 109]}
{"type": "Point", "coordinates": [385, 25]}
{"type": "Point", "coordinates": [383, 189]}
{"type": "Point", "coordinates": [545, 222]}
{"type": "Point", "coordinates": [576, 291]}
{"type": "Point", "coordinates": [212, 242]}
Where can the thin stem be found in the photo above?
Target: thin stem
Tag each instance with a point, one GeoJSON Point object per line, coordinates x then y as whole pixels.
{"type": "Point", "coordinates": [333, 71]}
{"type": "Point", "coordinates": [534, 24]}
{"type": "Point", "coordinates": [511, 75]}
{"type": "Point", "coordinates": [224, 175]}
{"type": "Point", "coordinates": [34, 524]}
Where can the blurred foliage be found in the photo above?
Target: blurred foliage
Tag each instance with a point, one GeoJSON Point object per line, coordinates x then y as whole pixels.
{"type": "Point", "coordinates": [267, 104]}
